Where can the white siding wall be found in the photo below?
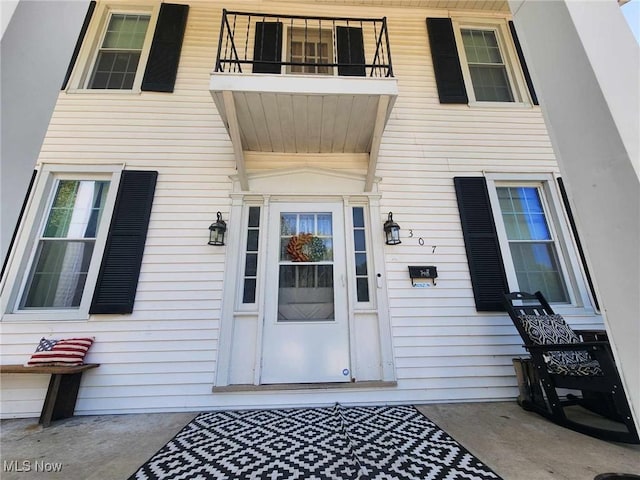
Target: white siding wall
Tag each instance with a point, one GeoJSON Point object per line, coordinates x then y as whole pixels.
{"type": "Point", "coordinates": [163, 356]}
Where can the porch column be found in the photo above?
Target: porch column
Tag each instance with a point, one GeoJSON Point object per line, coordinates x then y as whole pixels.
{"type": "Point", "coordinates": [585, 66]}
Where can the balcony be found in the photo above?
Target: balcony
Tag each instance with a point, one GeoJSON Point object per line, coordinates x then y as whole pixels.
{"type": "Point", "coordinates": [294, 84]}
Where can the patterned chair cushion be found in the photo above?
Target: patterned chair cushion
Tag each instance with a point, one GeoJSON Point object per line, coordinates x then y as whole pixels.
{"type": "Point", "coordinates": [551, 329]}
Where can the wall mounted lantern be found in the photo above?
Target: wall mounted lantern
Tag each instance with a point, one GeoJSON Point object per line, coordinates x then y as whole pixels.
{"type": "Point", "coordinates": [217, 231]}
{"type": "Point", "coordinates": [392, 231]}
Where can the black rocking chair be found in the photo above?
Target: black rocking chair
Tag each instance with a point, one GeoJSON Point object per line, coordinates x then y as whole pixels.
{"type": "Point", "coordinates": [563, 358]}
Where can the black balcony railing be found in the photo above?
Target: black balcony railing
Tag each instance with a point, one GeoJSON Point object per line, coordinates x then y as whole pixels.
{"type": "Point", "coordinates": [266, 43]}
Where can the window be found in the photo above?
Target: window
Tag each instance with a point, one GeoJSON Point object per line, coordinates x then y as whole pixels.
{"type": "Point", "coordinates": [479, 61]}
{"type": "Point", "coordinates": [119, 54]}
{"type": "Point", "coordinates": [305, 284]}
{"type": "Point", "coordinates": [486, 66]}
{"type": "Point", "coordinates": [123, 48]}
{"type": "Point", "coordinates": [533, 248]}
{"type": "Point", "coordinates": [517, 239]}
{"type": "Point", "coordinates": [82, 243]}
{"type": "Point", "coordinates": [53, 270]}
{"type": "Point", "coordinates": [65, 246]}
{"type": "Point", "coordinates": [360, 253]}
{"type": "Point", "coordinates": [310, 46]}
{"type": "Point", "coordinates": [251, 256]}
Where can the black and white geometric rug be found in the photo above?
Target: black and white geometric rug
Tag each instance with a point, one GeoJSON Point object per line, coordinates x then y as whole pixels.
{"type": "Point", "coordinates": [342, 443]}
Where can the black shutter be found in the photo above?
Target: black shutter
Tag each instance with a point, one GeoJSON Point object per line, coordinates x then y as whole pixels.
{"type": "Point", "coordinates": [523, 64]}
{"type": "Point", "coordinates": [350, 46]}
{"type": "Point", "coordinates": [20, 215]}
{"type": "Point", "coordinates": [118, 278]}
{"type": "Point", "coordinates": [267, 46]}
{"type": "Point", "coordinates": [481, 242]}
{"type": "Point", "coordinates": [164, 56]}
{"type": "Point", "coordinates": [446, 63]}
{"type": "Point", "coordinates": [76, 50]}
{"type": "Point", "coordinates": [574, 230]}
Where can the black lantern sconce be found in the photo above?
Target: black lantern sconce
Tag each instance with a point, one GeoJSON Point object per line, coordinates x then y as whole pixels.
{"type": "Point", "coordinates": [217, 231]}
{"type": "Point", "coordinates": [392, 231]}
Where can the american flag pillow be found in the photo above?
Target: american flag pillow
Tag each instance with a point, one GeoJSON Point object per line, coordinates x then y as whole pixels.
{"type": "Point", "coordinates": [69, 352]}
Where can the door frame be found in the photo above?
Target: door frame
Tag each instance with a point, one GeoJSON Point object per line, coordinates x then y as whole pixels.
{"type": "Point", "coordinates": [239, 352]}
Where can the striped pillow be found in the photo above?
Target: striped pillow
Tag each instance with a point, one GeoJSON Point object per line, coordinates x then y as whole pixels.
{"type": "Point", "coordinates": [68, 352]}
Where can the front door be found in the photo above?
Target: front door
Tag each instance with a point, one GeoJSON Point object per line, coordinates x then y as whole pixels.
{"type": "Point", "coordinates": [306, 327]}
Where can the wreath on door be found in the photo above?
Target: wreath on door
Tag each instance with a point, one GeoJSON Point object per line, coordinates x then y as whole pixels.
{"type": "Point", "coordinates": [306, 247]}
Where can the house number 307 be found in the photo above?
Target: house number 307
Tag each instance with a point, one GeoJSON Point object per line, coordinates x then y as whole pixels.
{"type": "Point", "coordinates": [420, 240]}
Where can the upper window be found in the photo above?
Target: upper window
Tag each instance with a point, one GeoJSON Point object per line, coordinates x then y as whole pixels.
{"type": "Point", "coordinates": [125, 48]}
{"type": "Point", "coordinates": [119, 53]}
{"type": "Point", "coordinates": [307, 49]}
{"type": "Point", "coordinates": [486, 63]}
{"type": "Point", "coordinates": [310, 46]}
{"type": "Point", "coordinates": [65, 245]}
{"type": "Point", "coordinates": [478, 60]}
{"type": "Point", "coordinates": [486, 66]}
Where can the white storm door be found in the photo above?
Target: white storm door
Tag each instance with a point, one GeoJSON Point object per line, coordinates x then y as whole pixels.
{"type": "Point", "coordinates": [306, 327]}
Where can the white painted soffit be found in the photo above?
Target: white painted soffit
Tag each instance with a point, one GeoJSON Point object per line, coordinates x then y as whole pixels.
{"type": "Point", "coordinates": [304, 114]}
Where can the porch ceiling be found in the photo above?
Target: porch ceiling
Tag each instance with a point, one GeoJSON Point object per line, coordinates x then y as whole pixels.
{"type": "Point", "coordinates": [304, 114]}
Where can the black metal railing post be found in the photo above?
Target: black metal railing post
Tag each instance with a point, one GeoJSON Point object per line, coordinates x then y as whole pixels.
{"type": "Point", "coordinates": [386, 36]}
{"type": "Point", "coordinates": [222, 21]}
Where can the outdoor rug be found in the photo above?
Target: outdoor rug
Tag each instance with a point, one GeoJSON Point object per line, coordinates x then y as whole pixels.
{"type": "Point", "coordinates": [342, 443]}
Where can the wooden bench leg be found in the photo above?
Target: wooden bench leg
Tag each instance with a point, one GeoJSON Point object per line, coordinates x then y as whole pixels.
{"type": "Point", "coordinates": [60, 401]}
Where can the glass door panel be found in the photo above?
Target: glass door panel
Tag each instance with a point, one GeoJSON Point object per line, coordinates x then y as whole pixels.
{"type": "Point", "coordinates": [305, 288]}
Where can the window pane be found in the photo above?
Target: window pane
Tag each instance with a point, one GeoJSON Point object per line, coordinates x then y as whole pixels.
{"type": "Point", "coordinates": [249, 292]}
{"type": "Point", "coordinates": [328, 249]}
{"type": "Point", "coordinates": [58, 274]}
{"type": "Point", "coordinates": [288, 224]}
{"type": "Point", "coordinates": [362, 287]}
{"type": "Point", "coordinates": [307, 224]}
{"type": "Point", "coordinates": [325, 276]}
{"type": "Point", "coordinates": [251, 265]}
{"type": "Point", "coordinates": [115, 70]}
{"type": "Point", "coordinates": [306, 237]}
{"type": "Point", "coordinates": [537, 268]}
{"type": "Point", "coordinates": [126, 31]}
{"type": "Point", "coordinates": [77, 209]}
{"type": "Point", "coordinates": [522, 213]}
{"type": "Point", "coordinates": [324, 224]}
{"type": "Point", "coordinates": [358, 217]}
{"type": "Point", "coordinates": [359, 240]}
{"type": "Point", "coordinates": [490, 83]}
{"type": "Point", "coordinates": [361, 263]}
{"type": "Point", "coordinates": [252, 240]}
{"type": "Point", "coordinates": [301, 298]}
{"type": "Point", "coordinates": [287, 276]}
{"type": "Point", "coordinates": [254, 216]}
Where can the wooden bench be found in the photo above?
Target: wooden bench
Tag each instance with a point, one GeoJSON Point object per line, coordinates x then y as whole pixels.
{"type": "Point", "coordinates": [62, 393]}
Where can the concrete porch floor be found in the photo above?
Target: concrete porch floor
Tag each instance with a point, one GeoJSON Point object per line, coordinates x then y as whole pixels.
{"type": "Point", "coordinates": [516, 444]}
